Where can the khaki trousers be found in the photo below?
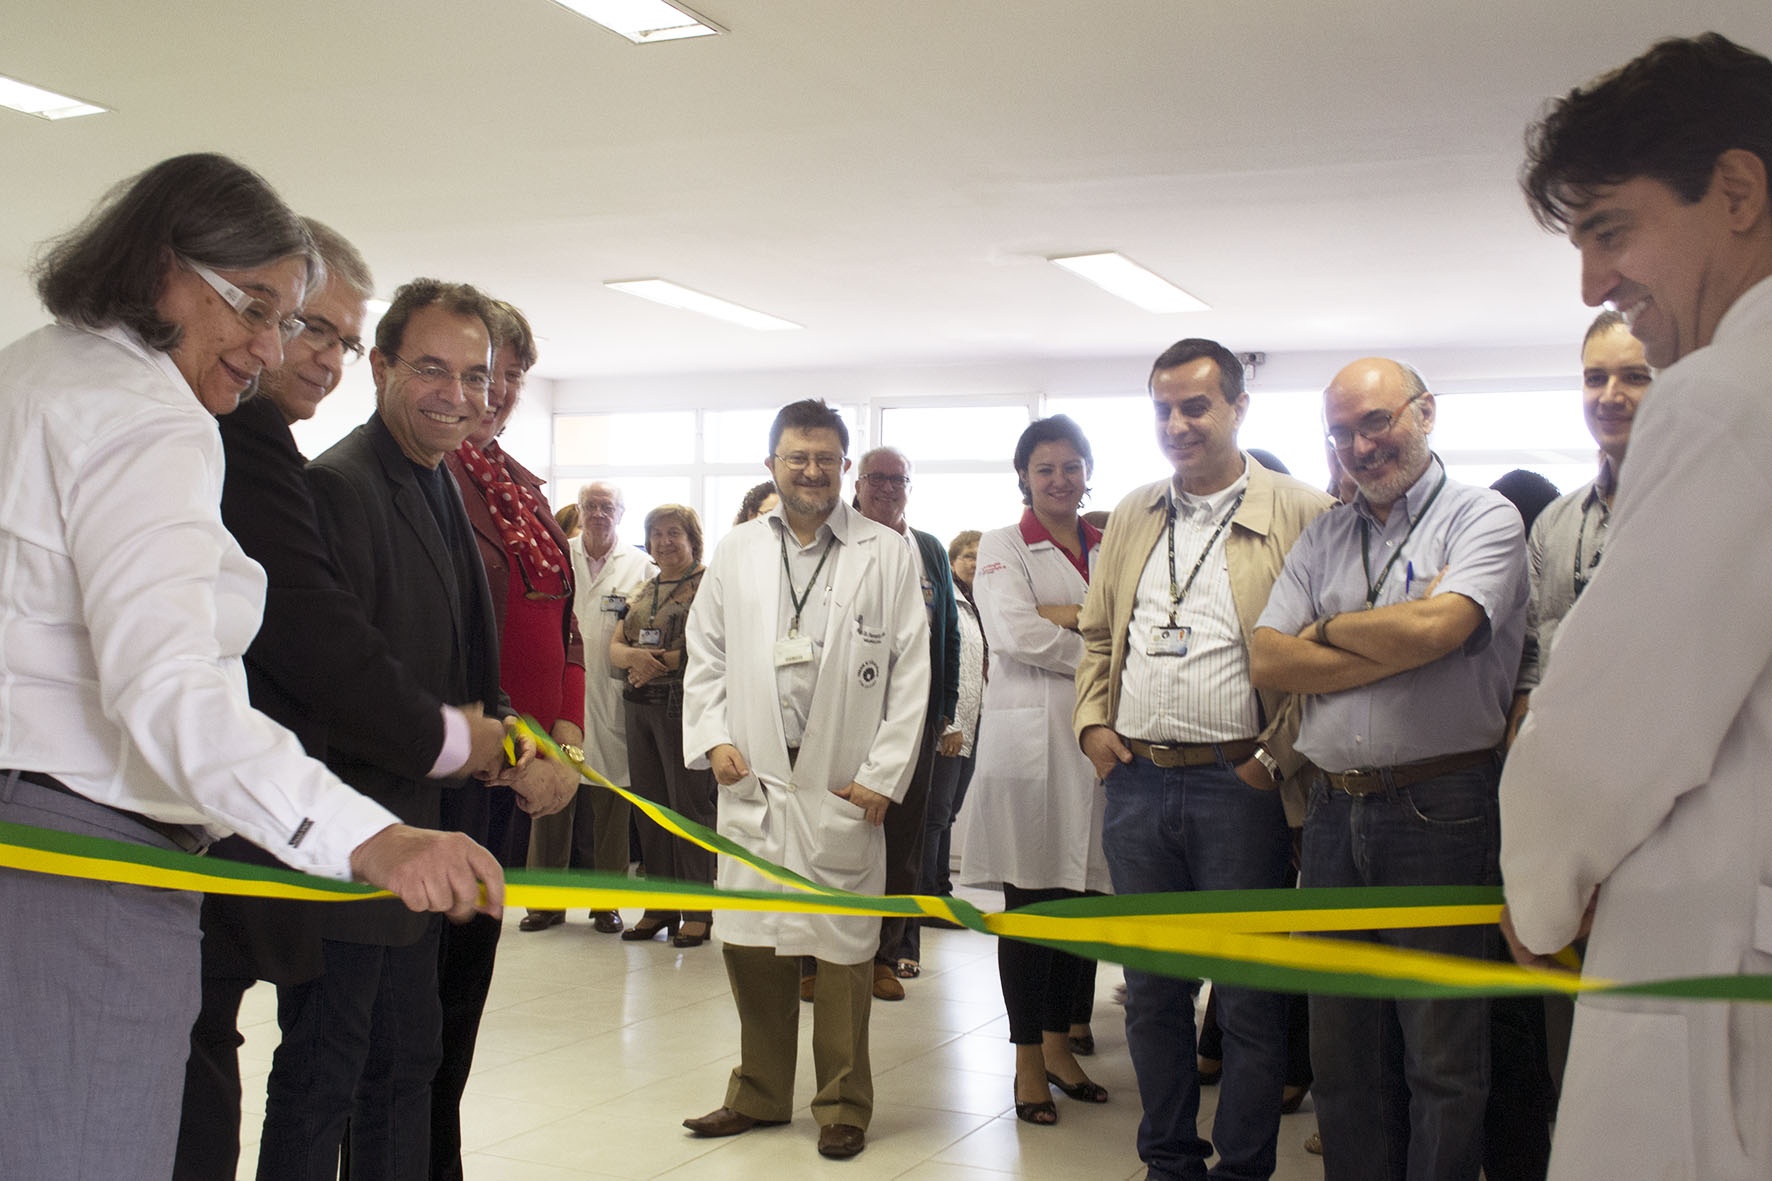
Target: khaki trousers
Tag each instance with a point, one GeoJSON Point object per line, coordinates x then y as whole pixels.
{"type": "Point", "coordinates": [766, 988]}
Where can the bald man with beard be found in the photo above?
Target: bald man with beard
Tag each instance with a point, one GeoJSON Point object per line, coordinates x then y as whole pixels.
{"type": "Point", "coordinates": [1399, 620]}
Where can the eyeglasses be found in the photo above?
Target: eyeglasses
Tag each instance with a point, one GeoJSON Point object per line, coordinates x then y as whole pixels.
{"type": "Point", "coordinates": [597, 508]}
{"type": "Point", "coordinates": [472, 383]}
{"type": "Point", "coordinates": [799, 461]}
{"type": "Point", "coordinates": [884, 480]}
{"type": "Point", "coordinates": [1371, 427]}
{"type": "Point", "coordinates": [255, 313]}
{"type": "Point", "coordinates": [320, 335]}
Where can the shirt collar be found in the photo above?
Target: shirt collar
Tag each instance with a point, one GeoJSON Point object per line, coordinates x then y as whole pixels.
{"type": "Point", "coordinates": [1214, 503]}
{"type": "Point", "coordinates": [1033, 532]}
{"type": "Point", "coordinates": [837, 524]}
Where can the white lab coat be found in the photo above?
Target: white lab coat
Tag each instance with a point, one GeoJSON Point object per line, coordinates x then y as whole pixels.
{"type": "Point", "coordinates": [606, 735]}
{"type": "Point", "coordinates": [865, 724]}
{"type": "Point", "coordinates": [1034, 810]}
{"type": "Point", "coordinates": [1643, 768]}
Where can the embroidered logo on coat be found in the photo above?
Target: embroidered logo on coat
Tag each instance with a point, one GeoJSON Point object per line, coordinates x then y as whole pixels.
{"type": "Point", "coordinates": [867, 674]}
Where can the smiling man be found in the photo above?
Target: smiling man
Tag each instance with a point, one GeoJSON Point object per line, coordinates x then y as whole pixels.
{"type": "Point", "coordinates": [805, 689]}
{"type": "Point", "coordinates": [1399, 617]}
{"type": "Point", "coordinates": [361, 1041]}
{"type": "Point", "coordinates": [1635, 798]}
{"type": "Point", "coordinates": [1179, 737]}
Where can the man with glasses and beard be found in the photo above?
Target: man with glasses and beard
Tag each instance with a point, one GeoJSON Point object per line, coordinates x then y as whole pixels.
{"type": "Point", "coordinates": [1399, 619]}
{"type": "Point", "coordinates": [805, 689]}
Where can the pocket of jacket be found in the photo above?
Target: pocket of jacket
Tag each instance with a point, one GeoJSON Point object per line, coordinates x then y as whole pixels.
{"type": "Point", "coordinates": [846, 841]}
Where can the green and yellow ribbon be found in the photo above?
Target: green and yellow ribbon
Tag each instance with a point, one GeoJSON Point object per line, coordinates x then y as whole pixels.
{"type": "Point", "coordinates": [1237, 937]}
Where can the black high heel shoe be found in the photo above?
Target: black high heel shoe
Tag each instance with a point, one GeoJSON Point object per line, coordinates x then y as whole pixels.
{"type": "Point", "coordinates": [687, 938]}
{"type": "Point", "coordinates": [648, 928]}
{"type": "Point", "coordinates": [1086, 1091]}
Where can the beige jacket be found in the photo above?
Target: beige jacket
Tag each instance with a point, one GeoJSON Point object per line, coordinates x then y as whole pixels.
{"type": "Point", "coordinates": [1274, 512]}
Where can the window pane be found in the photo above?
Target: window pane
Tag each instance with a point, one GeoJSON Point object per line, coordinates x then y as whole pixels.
{"type": "Point", "coordinates": [946, 504]}
{"type": "Point", "coordinates": [1511, 421]}
{"type": "Point", "coordinates": [1122, 434]}
{"type": "Point", "coordinates": [606, 440]}
{"type": "Point", "coordinates": [738, 436]}
{"type": "Point", "coordinates": [933, 433]}
{"type": "Point", "coordinates": [1289, 423]}
{"type": "Point", "coordinates": [723, 495]}
{"type": "Point", "coordinates": [641, 494]}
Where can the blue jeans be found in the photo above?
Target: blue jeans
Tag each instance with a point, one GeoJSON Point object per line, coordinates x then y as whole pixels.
{"type": "Point", "coordinates": [1199, 828]}
{"type": "Point", "coordinates": [1401, 1084]}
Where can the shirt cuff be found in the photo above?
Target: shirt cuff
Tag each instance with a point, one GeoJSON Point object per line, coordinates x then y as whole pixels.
{"type": "Point", "coordinates": [458, 743]}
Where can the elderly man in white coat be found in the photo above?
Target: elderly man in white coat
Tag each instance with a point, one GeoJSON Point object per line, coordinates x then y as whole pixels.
{"type": "Point", "coordinates": [1635, 797]}
{"type": "Point", "coordinates": [805, 688]}
{"type": "Point", "coordinates": [592, 831]}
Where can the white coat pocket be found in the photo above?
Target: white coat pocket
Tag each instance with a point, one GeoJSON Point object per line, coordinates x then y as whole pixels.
{"type": "Point", "coordinates": [846, 842]}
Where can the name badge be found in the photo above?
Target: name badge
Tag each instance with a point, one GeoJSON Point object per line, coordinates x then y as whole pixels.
{"type": "Point", "coordinates": [651, 637]}
{"type": "Point", "coordinates": [1168, 641]}
{"type": "Point", "coordinates": [791, 650]}
{"type": "Point", "coordinates": [615, 605]}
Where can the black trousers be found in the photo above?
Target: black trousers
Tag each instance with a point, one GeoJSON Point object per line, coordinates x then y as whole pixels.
{"type": "Point", "coordinates": [905, 822]}
{"type": "Point", "coordinates": [209, 1125]}
{"type": "Point", "coordinates": [465, 957]}
{"type": "Point", "coordinates": [1044, 991]}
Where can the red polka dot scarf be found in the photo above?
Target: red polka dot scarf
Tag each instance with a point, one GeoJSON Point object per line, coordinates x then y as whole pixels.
{"type": "Point", "coordinates": [517, 512]}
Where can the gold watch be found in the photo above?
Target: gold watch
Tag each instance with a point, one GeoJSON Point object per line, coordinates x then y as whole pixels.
{"type": "Point", "coordinates": [575, 753]}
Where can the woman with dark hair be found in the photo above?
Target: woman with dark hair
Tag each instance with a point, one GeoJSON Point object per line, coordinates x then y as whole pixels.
{"type": "Point", "coordinates": [757, 501]}
{"type": "Point", "coordinates": [125, 611]}
{"type": "Point", "coordinates": [1034, 827]}
{"type": "Point", "coordinates": [649, 647]}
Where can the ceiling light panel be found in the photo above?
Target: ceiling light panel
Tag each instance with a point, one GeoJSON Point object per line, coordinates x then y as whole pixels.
{"type": "Point", "coordinates": [644, 21]}
{"type": "Point", "coordinates": [677, 296]}
{"type": "Point", "coordinates": [1118, 275]}
{"type": "Point", "coordinates": [45, 104]}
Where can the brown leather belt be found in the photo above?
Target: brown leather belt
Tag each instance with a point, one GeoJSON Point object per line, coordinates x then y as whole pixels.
{"type": "Point", "coordinates": [1367, 781]}
{"type": "Point", "coordinates": [183, 837]}
{"type": "Point", "coordinates": [1193, 754]}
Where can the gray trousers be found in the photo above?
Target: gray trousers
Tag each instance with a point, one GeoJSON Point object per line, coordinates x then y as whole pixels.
{"type": "Point", "coordinates": [101, 985]}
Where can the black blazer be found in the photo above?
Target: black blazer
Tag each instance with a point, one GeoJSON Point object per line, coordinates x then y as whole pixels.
{"type": "Point", "coordinates": [316, 667]}
{"type": "Point", "coordinates": [393, 557]}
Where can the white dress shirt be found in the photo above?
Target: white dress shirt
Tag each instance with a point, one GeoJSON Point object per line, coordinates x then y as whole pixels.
{"type": "Point", "coordinates": [1204, 696]}
{"type": "Point", "coordinates": [125, 607]}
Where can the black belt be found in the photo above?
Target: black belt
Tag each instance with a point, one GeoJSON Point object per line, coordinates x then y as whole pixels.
{"type": "Point", "coordinates": [1371, 780]}
{"type": "Point", "coordinates": [184, 837]}
{"type": "Point", "coordinates": [1193, 754]}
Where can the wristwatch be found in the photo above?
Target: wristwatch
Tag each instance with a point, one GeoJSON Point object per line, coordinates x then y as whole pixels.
{"type": "Point", "coordinates": [575, 753]}
{"type": "Point", "coordinates": [1267, 760]}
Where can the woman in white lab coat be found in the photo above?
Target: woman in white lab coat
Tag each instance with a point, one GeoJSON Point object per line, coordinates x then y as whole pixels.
{"type": "Point", "coordinates": [1034, 812]}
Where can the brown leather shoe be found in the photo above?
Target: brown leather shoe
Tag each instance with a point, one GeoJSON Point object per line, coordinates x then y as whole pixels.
{"type": "Point", "coordinates": [723, 1121]}
{"type": "Point", "coordinates": [886, 988]}
{"type": "Point", "coordinates": [541, 920]}
{"type": "Point", "coordinates": [841, 1141]}
{"type": "Point", "coordinates": [606, 921]}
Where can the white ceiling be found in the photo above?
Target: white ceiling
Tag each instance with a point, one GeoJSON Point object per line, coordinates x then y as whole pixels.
{"type": "Point", "coordinates": [889, 173]}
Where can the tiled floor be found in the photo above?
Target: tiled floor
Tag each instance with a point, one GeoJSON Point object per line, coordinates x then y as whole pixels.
{"type": "Point", "coordinates": [593, 1051]}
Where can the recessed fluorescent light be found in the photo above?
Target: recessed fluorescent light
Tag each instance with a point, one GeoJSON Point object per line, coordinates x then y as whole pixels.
{"type": "Point", "coordinates": [672, 295]}
{"type": "Point", "coordinates": [45, 104]}
{"type": "Point", "coordinates": [641, 21]}
{"type": "Point", "coordinates": [1118, 275]}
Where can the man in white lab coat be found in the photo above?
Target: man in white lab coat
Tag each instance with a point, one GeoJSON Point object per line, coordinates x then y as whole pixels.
{"type": "Point", "coordinates": [1635, 797]}
{"type": "Point", "coordinates": [805, 688]}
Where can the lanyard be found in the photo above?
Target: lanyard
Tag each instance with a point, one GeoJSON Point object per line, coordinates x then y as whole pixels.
{"type": "Point", "coordinates": [1178, 593]}
{"type": "Point", "coordinates": [799, 600]}
{"type": "Point", "coordinates": [1373, 588]}
{"type": "Point", "coordinates": [676, 584]}
{"type": "Point", "coordinates": [1583, 577]}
